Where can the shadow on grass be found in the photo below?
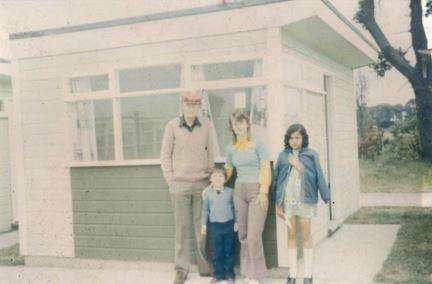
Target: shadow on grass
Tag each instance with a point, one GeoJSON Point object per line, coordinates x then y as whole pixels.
{"type": "Point", "coordinates": [10, 256]}
{"type": "Point", "coordinates": [410, 259]}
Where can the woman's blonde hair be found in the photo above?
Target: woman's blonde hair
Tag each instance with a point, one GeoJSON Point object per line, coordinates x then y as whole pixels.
{"type": "Point", "coordinates": [237, 116]}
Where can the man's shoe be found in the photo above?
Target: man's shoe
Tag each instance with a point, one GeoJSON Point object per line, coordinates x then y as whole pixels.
{"type": "Point", "coordinates": [291, 280]}
{"type": "Point", "coordinates": [180, 277]}
{"type": "Point", "coordinates": [205, 274]}
{"type": "Point", "coordinates": [307, 281]}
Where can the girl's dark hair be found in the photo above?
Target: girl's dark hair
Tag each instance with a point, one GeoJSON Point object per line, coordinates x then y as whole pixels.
{"type": "Point", "coordinates": [296, 128]}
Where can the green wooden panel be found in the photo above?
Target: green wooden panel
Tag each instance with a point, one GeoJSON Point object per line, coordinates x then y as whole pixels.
{"type": "Point", "coordinates": [125, 254]}
{"type": "Point", "coordinates": [124, 219]}
{"type": "Point", "coordinates": [125, 213]}
{"type": "Point", "coordinates": [123, 206]}
{"type": "Point", "coordinates": [126, 194]}
{"type": "Point", "coordinates": [128, 230]}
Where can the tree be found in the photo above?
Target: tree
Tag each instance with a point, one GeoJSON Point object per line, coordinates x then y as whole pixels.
{"type": "Point", "coordinates": [362, 112]}
{"type": "Point", "coordinates": [419, 75]}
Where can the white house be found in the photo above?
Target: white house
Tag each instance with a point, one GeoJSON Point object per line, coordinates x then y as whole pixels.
{"type": "Point", "coordinates": [92, 100]}
{"type": "Point", "coordinates": [8, 208]}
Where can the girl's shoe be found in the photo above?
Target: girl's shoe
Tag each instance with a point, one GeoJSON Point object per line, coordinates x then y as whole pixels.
{"type": "Point", "coordinates": [307, 281]}
{"type": "Point", "coordinates": [230, 281]}
{"type": "Point", "coordinates": [213, 281]}
{"type": "Point", "coordinates": [291, 280]}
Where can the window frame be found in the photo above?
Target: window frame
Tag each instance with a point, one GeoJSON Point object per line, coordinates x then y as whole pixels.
{"type": "Point", "coordinates": [113, 93]}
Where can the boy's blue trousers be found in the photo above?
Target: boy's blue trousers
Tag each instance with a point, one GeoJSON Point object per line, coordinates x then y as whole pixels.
{"type": "Point", "coordinates": [222, 239]}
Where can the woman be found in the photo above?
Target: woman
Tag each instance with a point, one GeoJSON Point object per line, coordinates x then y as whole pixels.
{"type": "Point", "coordinates": [252, 164]}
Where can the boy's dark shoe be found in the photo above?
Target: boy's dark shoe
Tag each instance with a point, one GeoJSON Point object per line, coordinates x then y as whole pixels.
{"type": "Point", "coordinates": [307, 281]}
{"type": "Point", "coordinates": [180, 277]}
{"type": "Point", "coordinates": [291, 280]}
{"type": "Point", "coordinates": [205, 274]}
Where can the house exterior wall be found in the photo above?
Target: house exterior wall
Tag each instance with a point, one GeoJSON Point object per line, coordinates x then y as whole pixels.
{"type": "Point", "coordinates": [343, 125]}
{"type": "Point", "coordinates": [314, 85]}
{"type": "Point", "coordinates": [67, 208]}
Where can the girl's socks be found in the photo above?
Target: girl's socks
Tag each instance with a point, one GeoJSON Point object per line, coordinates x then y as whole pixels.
{"type": "Point", "coordinates": [292, 262]}
{"type": "Point", "coordinates": [308, 262]}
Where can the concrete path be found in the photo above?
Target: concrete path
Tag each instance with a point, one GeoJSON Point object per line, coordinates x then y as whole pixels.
{"type": "Point", "coordinates": [8, 239]}
{"type": "Point", "coordinates": [422, 199]}
{"type": "Point", "coordinates": [352, 255]}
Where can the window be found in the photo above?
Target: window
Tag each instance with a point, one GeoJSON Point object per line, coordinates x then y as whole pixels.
{"type": "Point", "coordinates": [221, 103]}
{"type": "Point", "coordinates": [92, 130]}
{"type": "Point", "coordinates": [149, 78]}
{"type": "Point", "coordinates": [89, 84]}
{"type": "Point", "coordinates": [227, 70]}
{"type": "Point", "coordinates": [140, 116]}
{"type": "Point", "coordinates": [143, 122]}
{"type": "Point", "coordinates": [127, 122]}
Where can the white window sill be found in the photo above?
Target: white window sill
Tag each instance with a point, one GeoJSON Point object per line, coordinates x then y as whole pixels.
{"type": "Point", "coordinates": [145, 162]}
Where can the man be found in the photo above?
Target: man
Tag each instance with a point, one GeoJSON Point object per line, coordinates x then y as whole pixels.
{"type": "Point", "coordinates": [187, 158]}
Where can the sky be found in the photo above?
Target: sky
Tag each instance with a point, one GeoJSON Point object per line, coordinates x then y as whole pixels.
{"type": "Point", "coordinates": [392, 16]}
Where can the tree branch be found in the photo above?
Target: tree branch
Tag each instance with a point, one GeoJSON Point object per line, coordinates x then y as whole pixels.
{"type": "Point", "coordinates": [418, 36]}
{"type": "Point", "coordinates": [366, 16]}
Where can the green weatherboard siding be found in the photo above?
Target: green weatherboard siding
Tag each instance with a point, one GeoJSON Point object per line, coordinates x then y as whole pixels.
{"type": "Point", "coordinates": [125, 213]}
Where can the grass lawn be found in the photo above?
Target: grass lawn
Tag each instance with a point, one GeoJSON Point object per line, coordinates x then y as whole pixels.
{"type": "Point", "coordinates": [410, 259]}
{"type": "Point", "coordinates": [10, 256]}
{"type": "Point", "coordinates": [383, 175]}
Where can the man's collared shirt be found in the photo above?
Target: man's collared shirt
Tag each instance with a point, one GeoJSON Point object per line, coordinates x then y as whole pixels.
{"type": "Point", "coordinates": [183, 123]}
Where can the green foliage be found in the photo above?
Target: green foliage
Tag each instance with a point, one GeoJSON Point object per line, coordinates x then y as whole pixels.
{"type": "Point", "coordinates": [428, 8]}
{"type": "Point", "coordinates": [406, 142]}
{"type": "Point", "coordinates": [371, 145]}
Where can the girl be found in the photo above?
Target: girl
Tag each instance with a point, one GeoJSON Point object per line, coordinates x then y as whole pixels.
{"type": "Point", "coordinates": [218, 208]}
{"type": "Point", "coordinates": [297, 179]}
{"type": "Point", "coordinates": [252, 164]}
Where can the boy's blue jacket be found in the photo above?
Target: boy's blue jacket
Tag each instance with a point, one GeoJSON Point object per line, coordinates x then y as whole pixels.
{"type": "Point", "coordinates": [312, 179]}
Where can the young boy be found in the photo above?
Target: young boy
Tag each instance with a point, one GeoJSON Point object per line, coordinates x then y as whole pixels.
{"type": "Point", "coordinates": [218, 208]}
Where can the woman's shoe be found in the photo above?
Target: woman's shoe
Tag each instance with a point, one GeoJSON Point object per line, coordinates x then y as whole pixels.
{"type": "Point", "coordinates": [307, 281]}
{"type": "Point", "coordinates": [291, 280]}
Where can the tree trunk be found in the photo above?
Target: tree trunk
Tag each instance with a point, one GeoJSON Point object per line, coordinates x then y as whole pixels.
{"type": "Point", "coordinates": [423, 96]}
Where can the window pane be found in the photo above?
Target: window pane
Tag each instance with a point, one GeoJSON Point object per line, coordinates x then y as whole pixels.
{"type": "Point", "coordinates": [150, 78]}
{"type": "Point", "coordinates": [143, 124]}
{"type": "Point", "coordinates": [89, 84]}
{"type": "Point", "coordinates": [224, 102]}
{"type": "Point", "coordinates": [227, 70]}
{"type": "Point", "coordinates": [92, 130]}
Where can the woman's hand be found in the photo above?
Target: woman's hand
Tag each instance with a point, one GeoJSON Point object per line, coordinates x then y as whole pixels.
{"type": "Point", "coordinates": [280, 212]}
{"type": "Point", "coordinates": [295, 162]}
{"type": "Point", "coordinates": [236, 227]}
{"type": "Point", "coordinates": [262, 200]}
